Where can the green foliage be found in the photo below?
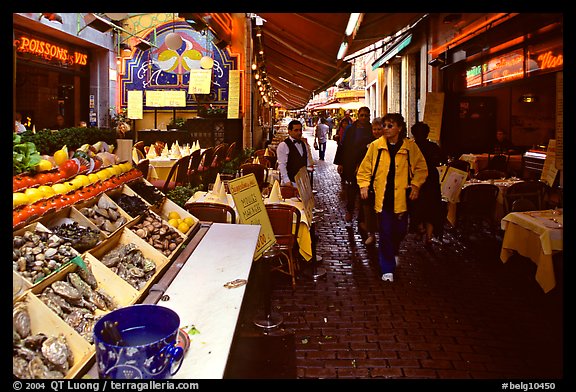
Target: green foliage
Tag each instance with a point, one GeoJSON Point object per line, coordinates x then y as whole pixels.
{"type": "Point", "coordinates": [47, 142]}
{"type": "Point", "coordinates": [25, 156]}
{"type": "Point", "coordinates": [181, 194]}
{"type": "Point", "coordinates": [232, 166]}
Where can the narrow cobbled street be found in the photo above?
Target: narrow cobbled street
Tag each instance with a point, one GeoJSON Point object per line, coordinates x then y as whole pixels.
{"type": "Point", "coordinates": [455, 313]}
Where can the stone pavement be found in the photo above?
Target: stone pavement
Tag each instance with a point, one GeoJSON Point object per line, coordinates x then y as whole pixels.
{"type": "Point", "coordinates": [455, 313]}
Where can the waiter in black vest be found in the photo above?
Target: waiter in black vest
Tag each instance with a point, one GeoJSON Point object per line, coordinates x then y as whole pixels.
{"type": "Point", "coordinates": [292, 154]}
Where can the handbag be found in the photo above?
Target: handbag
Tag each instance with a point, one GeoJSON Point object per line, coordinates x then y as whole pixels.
{"type": "Point", "coordinates": [315, 145]}
{"type": "Point", "coordinates": [371, 192]}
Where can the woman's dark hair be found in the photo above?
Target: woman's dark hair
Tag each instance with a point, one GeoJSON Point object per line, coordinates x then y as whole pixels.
{"type": "Point", "coordinates": [420, 130]}
{"type": "Point", "coordinates": [398, 119]}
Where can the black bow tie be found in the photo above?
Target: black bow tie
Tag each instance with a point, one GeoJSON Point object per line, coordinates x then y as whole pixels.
{"type": "Point", "coordinates": [298, 141]}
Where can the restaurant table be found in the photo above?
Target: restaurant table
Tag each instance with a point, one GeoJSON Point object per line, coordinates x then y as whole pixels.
{"type": "Point", "coordinates": [304, 238]}
{"type": "Point", "coordinates": [499, 212]}
{"type": "Point", "coordinates": [480, 161]}
{"type": "Point", "coordinates": [536, 235]}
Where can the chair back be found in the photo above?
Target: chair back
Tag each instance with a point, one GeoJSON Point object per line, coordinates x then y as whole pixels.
{"type": "Point", "coordinates": [219, 155]}
{"type": "Point", "coordinates": [206, 159]}
{"type": "Point", "coordinates": [139, 154]}
{"type": "Point", "coordinates": [490, 174]}
{"type": "Point", "coordinates": [144, 167]}
{"type": "Point", "coordinates": [177, 175]}
{"type": "Point", "coordinates": [498, 162]}
{"type": "Point", "coordinates": [285, 221]}
{"type": "Point", "coordinates": [259, 171]}
{"type": "Point", "coordinates": [520, 205]}
{"type": "Point", "coordinates": [182, 172]}
{"type": "Point", "coordinates": [195, 159]}
{"type": "Point", "coordinates": [478, 200]}
{"type": "Point", "coordinates": [212, 212]}
{"type": "Point", "coordinates": [231, 152]}
{"type": "Point", "coordinates": [461, 165]}
{"type": "Point", "coordinates": [140, 146]}
{"type": "Point", "coordinates": [289, 191]}
{"type": "Point", "coordinates": [535, 191]}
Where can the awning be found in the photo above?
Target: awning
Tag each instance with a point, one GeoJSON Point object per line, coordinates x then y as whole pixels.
{"type": "Point", "coordinates": [333, 105]}
{"type": "Point", "coordinates": [300, 49]}
{"type": "Point", "coordinates": [352, 105]}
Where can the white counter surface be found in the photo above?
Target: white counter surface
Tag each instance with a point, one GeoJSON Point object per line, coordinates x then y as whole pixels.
{"type": "Point", "coordinates": [199, 297]}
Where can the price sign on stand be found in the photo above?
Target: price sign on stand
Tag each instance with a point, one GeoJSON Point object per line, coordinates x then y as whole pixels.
{"type": "Point", "coordinates": [251, 210]}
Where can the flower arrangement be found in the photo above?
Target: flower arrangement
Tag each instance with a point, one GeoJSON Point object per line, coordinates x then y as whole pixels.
{"type": "Point", "coordinates": [120, 122]}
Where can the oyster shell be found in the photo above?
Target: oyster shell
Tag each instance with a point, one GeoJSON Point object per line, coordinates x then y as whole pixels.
{"type": "Point", "coordinates": [66, 290]}
{"type": "Point", "coordinates": [21, 320]}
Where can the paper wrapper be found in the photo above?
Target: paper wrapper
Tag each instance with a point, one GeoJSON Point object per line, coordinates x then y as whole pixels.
{"type": "Point", "coordinates": [217, 185]}
{"type": "Point", "coordinates": [151, 152]}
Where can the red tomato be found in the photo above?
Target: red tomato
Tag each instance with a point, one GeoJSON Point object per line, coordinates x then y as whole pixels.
{"type": "Point", "coordinates": [70, 168]}
{"type": "Point", "coordinates": [42, 178]}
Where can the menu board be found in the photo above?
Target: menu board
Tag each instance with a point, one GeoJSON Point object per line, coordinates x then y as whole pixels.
{"type": "Point", "coordinates": [452, 183]}
{"type": "Point", "coordinates": [302, 180]}
{"type": "Point", "coordinates": [168, 98]}
{"type": "Point", "coordinates": [200, 80]}
{"type": "Point", "coordinates": [549, 170]}
{"type": "Point", "coordinates": [433, 114]}
{"type": "Point", "coordinates": [135, 103]}
{"type": "Point", "coordinates": [252, 211]}
{"type": "Point", "coordinates": [234, 94]}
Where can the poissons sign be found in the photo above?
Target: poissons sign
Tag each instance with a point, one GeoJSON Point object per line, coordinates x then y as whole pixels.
{"type": "Point", "coordinates": [49, 51]}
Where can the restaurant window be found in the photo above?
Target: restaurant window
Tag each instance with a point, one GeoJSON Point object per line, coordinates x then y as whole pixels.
{"type": "Point", "coordinates": [544, 58]}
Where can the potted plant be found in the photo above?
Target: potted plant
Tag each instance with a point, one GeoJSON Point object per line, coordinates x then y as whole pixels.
{"type": "Point", "coordinates": [230, 168]}
{"type": "Point", "coordinates": [176, 123]}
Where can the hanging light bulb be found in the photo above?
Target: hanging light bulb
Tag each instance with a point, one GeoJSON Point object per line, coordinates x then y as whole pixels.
{"type": "Point", "coordinates": [173, 41]}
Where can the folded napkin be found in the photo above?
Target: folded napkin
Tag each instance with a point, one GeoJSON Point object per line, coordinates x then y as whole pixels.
{"type": "Point", "coordinates": [165, 151]}
{"type": "Point", "coordinates": [275, 194]}
{"type": "Point", "coordinates": [151, 152]}
{"type": "Point", "coordinates": [222, 197]}
{"type": "Point", "coordinates": [217, 185]}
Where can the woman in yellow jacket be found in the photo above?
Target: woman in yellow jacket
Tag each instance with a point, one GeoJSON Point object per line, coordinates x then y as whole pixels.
{"type": "Point", "coordinates": [398, 157]}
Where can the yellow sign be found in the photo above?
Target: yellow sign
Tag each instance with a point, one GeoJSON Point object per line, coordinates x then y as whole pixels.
{"type": "Point", "coordinates": [169, 98]}
{"type": "Point", "coordinates": [252, 211]}
{"type": "Point", "coordinates": [433, 114]}
{"type": "Point", "coordinates": [200, 80]}
{"type": "Point", "coordinates": [135, 102]}
{"type": "Point", "coordinates": [349, 94]}
{"type": "Point", "coordinates": [302, 180]}
{"type": "Point", "coordinates": [234, 94]}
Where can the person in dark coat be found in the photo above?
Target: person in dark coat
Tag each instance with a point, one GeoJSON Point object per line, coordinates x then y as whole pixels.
{"type": "Point", "coordinates": [428, 213]}
{"type": "Point", "coordinates": [349, 154]}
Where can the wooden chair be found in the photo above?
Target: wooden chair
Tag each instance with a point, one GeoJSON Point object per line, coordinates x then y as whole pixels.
{"type": "Point", "coordinates": [535, 191]}
{"type": "Point", "coordinates": [477, 204]}
{"type": "Point", "coordinates": [177, 176]}
{"type": "Point", "coordinates": [232, 152]}
{"type": "Point", "coordinates": [490, 174]}
{"type": "Point", "coordinates": [259, 171]}
{"type": "Point", "coordinates": [520, 205]}
{"type": "Point", "coordinates": [212, 212]}
{"type": "Point", "coordinates": [285, 221]}
{"type": "Point", "coordinates": [193, 175]}
{"type": "Point", "coordinates": [498, 162]}
{"type": "Point", "coordinates": [289, 191]}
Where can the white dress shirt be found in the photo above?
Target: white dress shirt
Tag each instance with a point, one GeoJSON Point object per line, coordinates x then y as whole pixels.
{"type": "Point", "coordinates": [282, 152]}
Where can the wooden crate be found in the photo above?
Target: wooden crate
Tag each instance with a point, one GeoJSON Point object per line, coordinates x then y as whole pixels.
{"type": "Point", "coordinates": [67, 214]}
{"type": "Point", "coordinates": [93, 202]}
{"type": "Point", "coordinates": [40, 227]}
{"type": "Point", "coordinates": [121, 292]}
{"type": "Point", "coordinates": [167, 206]}
{"type": "Point", "coordinates": [132, 225]}
{"type": "Point", "coordinates": [124, 189]}
{"type": "Point", "coordinates": [124, 237]}
{"type": "Point", "coordinates": [43, 320]}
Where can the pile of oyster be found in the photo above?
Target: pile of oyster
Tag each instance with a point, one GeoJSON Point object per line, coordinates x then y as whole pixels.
{"type": "Point", "coordinates": [133, 205]}
{"type": "Point", "coordinates": [105, 215]}
{"type": "Point", "coordinates": [128, 262]}
{"type": "Point", "coordinates": [81, 238]}
{"type": "Point", "coordinates": [37, 356]}
{"type": "Point", "coordinates": [158, 233]}
{"type": "Point", "coordinates": [37, 254]}
{"type": "Point", "coordinates": [75, 299]}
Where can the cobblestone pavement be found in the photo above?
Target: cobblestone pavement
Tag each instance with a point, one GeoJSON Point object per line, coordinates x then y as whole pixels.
{"type": "Point", "coordinates": [455, 313]}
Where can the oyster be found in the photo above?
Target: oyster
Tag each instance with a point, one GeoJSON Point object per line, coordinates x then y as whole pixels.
{"type": "Point", "coordinates": [21, 320]}
{"type": "Point", "coordinates": [66, 290]}
{"type": "Point", "coordinates": [88, 276]}
{"type": "Point", "coordinates": [76, 281]}
{"type": "Point", "coordinates": [57, 351]}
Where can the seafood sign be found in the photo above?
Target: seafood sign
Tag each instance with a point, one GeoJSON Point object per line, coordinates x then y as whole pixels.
{"type": "Point", "coordinates": [251, 210]}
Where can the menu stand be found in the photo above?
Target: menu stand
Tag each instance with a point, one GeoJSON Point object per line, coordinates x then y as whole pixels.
{"type": "Point", "coordinates": [269, 319]}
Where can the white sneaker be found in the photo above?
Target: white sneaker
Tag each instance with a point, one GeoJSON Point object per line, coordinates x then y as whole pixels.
{"type": "Point", "coordinates": [388, 277]}
{"type": "Point", "coordinates": [397, 260]}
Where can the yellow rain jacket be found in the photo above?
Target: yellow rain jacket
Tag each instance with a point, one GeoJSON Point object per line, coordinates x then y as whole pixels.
{"type": "Point", "coordinates": [417, 162]}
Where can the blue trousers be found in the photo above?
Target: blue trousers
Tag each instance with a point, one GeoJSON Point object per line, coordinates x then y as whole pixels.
{"type": "Point", "coordinates": [393, 229]}
{"type": "Point", "coordinates": [322, 150]}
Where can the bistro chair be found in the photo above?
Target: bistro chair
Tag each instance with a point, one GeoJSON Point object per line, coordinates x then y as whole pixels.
{"type": "Point", "coordinates": [232, 152]}
{"type": "Point", "coordinates": [194, 177]}
{"type": "Point", "coordinates": [520, 205]}
{"type": "Point", "coordinates": [289, 191]}
{"type": "Point", "coordinates": [535, 191]}
{"type": "Point", "coordinates": [212, 212]}
{"type": "Point", "coordinates": [177, 176]}
{"type": "Point", "coordinates": [260, 171]}
{"type": "Point", "coordinates": [477, 204]}
{"type": "Point", "coordinates": [285, 221]}
{"type": "Point", "coordinates": [490, 174]}
{"type": "Point", "coordinates": [460, 165]}
{"type": "Point", "coordinates": [498, 162]}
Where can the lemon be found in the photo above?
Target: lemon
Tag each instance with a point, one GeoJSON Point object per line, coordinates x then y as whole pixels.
{"type": "Point", "coordinates": [84, 178]}
{"type": "Point", "coordinates": [44, 165]}
{"type": "Point", "coordinates": [61, 156]}
{"type": "Point", "coordinates": [76, 183]}
{"type": "Point", "coordinates": [60, 188]}
{"type": "Point", "coordinates": [19, 199]}
{"type": "Point", "coordinates": [183, 227]}
{"type": "Point", "coordinates": [173, 222]}
{"type": "Point", "coordinates": [117, 170]}
{"type": "Point", "coordinates": [189, 221]}
{"type": "Point", "coordinates": [173, 215]}
{"type": "Point", "coordinates": [103, 175]}
{"type": "Point", "coordinates": [47, 191]}
{"type": "Point", "coordinates": [93, 177]}
{"type": "Point", "coordinates": [33, 195]}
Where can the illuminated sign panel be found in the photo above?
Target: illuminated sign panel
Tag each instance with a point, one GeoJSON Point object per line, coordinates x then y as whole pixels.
{"type": "Point", "coordinates": [524, 62]}
{"type": "Point", "coordinates": [49, 51]}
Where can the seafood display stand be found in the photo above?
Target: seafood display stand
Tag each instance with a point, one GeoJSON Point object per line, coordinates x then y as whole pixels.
{"type": "Point", "coordinates": [190, 278]}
